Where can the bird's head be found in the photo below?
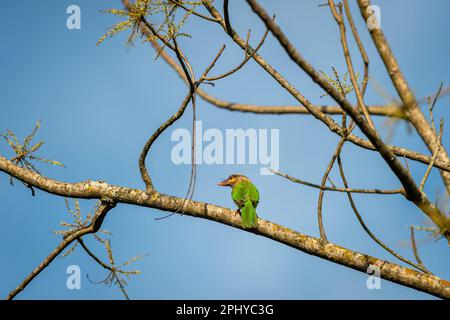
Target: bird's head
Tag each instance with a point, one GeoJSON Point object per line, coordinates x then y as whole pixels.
{"type": "Point", "coordinates": [232, 180]}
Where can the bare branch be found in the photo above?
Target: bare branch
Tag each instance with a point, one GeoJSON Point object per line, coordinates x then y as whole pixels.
{"type": "Point", "coordinates": [355, 260]}
{"type": "Point", "coordinates": [114, 272]}
{"type": "Point", "coordinates": [226, 15]}
{"type": "Point", "coordinates": [142, 167]}
{"type": "Point", "coordinates": [97, 220]}
{"type": "Point", "coordinates": [246, 59]}
{"type": "Point", "coordinates": [322, 186]}
{"type": "Point", "coordinates": [193, 12]}
{"type": "Point", "coordinates": [367, 230]}
{"type": "Point", "coordinates": [361, 48]}
{"type": "Point", "coordinates": [193, 84]}
{"type": "Point", "coordinates": [411, 189]}
{"type": "Point", "coordinates": [340, 21]}
{"type": "Point", "coordinates": [414, 247]}
{"type": "Point", "coordinates": [435, 155]}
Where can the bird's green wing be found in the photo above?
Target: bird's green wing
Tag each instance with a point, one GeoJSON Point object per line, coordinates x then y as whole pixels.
{"type": "Point", "coordinates": [240, 194]}
{"type": "Point", "coordinates": [253, 194]}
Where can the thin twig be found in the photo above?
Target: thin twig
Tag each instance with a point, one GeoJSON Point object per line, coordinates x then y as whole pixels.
{"type": "Point", "coordinates": [433, 159]}
{"type": "Point", "coordinates": [431, 106]}
{"type": "Point", "coordinates": [322, 187]}
{"type": "Point", "coordinates": [193, 12]}
{"type": "Point", "coordinates": [325, 178]}
{"type": "Point", "coordinates": [361, 48]}
{"type": "Point", "coordinates": [351, 190]}
{"type": "Point", "coordinates": [142, 167]}
{"type": "Point", "coordinates": [414, 247]}
{"type": "Point", "coordinates": [195, 85]}
{"type": "Point", "coordinates": [190, 76]}
{"type": "Point", "coordinates": [93, 256]}
{"type": "Point", "coordinates": [105, 266]}
{"type": "Point", "coordinates": [355, 260]}
{"type": "Point", "coordinates": [246, 59]}
{"type": "Point", "coordinates": [367, 230]}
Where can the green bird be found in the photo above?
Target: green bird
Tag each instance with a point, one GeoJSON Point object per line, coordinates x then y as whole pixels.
{"type": "Point", "coordinates": [246, 197]}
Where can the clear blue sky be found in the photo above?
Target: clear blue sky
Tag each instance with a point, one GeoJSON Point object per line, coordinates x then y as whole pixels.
{"type": "Point", "coordinates": [98, 106]}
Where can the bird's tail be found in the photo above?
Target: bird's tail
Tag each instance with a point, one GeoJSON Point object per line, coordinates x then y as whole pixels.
{"type": "Point", "coordinates": [249, 217]}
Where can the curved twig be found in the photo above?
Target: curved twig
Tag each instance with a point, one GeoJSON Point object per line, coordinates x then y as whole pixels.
{"type": "Point", "coordinates": [360, 45]}
{"type": "Point", "coordinates": [414, 247]}
{"type": "Point", "coordinates": [93, 227]}
{"type": "Point", "coordinates": [367, 230]}
{"type": "Point", "coordinates": [411, 106]}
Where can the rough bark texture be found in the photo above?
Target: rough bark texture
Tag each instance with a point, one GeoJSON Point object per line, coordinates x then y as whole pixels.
{"type": "Point", "coordinates": [103, 191]}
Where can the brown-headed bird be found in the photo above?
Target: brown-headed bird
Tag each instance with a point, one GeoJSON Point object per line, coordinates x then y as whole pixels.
{"type": "Point", "coordinates": [246, 197]}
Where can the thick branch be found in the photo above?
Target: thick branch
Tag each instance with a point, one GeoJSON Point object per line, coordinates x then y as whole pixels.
{"type": "Point", "coordinates": [355, 260]}
{"type": "Point", "coordinates": [314, 110]}
{"type": "Point", "coordinates": [193, 12]}
{"type": "Point", "coordinates": [411, 107]}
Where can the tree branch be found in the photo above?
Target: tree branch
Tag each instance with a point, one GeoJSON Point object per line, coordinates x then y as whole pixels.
{"type": "Point", "coordinates": [177, 115]}
{"type": "Point", "coordinates": [389, 111]}
{"type": "Point", "coordinates": [94, 226]}
{"type": "Point", "coordinates": [351, 190]}
{"type": "Point", "coordinates": [355, 260]}
{"type": "Point", "coordinates": [414, 246]}
{"type": "Point", "coordinates": [410, 105]}
{"type": "Point", "coordinates": [367, 230]}
{"type": "Point", "coordinates": [322, 186]}
{"type": "Point", "coordinates": [361, 48]}
{"type": "Point", "coordinates": [193, 12]}
{"type": "Point", "coordinates": [348, 59]}
{"type": "Point", "coordinates": [411, 189]}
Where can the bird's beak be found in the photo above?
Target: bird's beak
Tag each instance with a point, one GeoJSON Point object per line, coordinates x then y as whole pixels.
{"type": "Point", "coordinates": [224, 183]}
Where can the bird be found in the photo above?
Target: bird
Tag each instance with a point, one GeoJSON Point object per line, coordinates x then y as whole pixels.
{"type": "Point", "coordinates": [246, 196]}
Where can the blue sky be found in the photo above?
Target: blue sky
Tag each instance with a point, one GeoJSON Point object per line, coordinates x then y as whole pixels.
{"type": "Point", "coordinates": [98, 105]}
